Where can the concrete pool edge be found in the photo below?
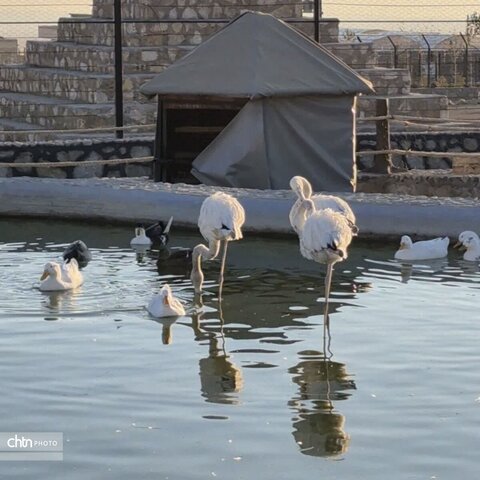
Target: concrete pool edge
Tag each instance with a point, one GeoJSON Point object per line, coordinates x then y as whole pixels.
{"type": "Point", "coordinates": [132, 200]}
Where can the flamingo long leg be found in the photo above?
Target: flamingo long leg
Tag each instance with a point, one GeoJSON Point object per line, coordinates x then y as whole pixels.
{"type": "Point", "coordinates": [222, 269]}
{"type": "Point", "coordinates": [328, 283]}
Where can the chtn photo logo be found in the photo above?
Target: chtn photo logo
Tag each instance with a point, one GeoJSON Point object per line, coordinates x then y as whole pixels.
{"type": "Point", "coordinates": [24, 442]}
{"type": "Point", "coordinates": [31, 446]}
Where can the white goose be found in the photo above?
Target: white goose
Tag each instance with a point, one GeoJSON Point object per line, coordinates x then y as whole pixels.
{"type": "Point", "coordinates": [164, 304]}
{"type": "Point", "coordinates": [220, 221]}
{"type": "Point", "coordinates": [61, 277]}
{"type": "Point", "coordinates": [424, 250]}
{"type": "Point", "coordinates": [298, 214]}
{"type": "Point", "coordinates": [471, 243]}
{"type": "Point", "coordinates": [140, 239]}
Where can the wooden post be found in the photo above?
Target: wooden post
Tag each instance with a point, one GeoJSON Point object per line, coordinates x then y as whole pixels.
{"type": "Point", "coordinates": [383, 161]}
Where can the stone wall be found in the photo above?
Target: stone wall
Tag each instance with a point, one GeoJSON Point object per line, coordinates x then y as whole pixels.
{"type": "Point", "coordinates": [430, 142]}
{"type": "Point", "coordinates": [81, 150]}
{"type": "Point", "coordinates": [77, 151]}
{"type": "Point", "coordinates": [431, 183]}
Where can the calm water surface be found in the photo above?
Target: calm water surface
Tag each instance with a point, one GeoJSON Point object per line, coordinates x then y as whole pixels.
{"type": "Point", "coordinates": [251, 391]}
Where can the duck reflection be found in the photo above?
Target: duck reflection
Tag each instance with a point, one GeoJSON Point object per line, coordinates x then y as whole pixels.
{"type": "Point", "coordinates": [427, 268]}
{"type": "Point", "coordinates": [319, 430]}
{"type": "Point", "coordinates": [57, 301]}
{"type": "Point", "coordinates": [221, 380]}
{"type": "Point", "coordinates": [166, 323]}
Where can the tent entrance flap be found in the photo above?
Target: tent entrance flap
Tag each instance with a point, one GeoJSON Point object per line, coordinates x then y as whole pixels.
{"type": "Point", "coordinates": [237, 157]}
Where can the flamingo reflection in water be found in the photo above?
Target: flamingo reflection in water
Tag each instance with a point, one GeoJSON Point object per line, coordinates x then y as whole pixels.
{"type": "Point", "coordinates": [319, 430]}
{"type": "Point", "coordinates": [221, 380]}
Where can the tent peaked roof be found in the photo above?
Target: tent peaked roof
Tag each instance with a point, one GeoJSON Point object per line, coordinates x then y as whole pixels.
{"type": "Point", "coordinates": [257, 55]}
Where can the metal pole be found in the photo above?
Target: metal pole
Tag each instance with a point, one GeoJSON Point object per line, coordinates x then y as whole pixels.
{"type": "Point", "coordinates": [316, 20]}
{"type": "Point", "coordinates": [429, 60]}
{"type": "Point", "coordinates": [117, 13]}
{"type": "Point", "coordinates": [395, 57]}
{"type": "Point", "coordinates": [465, 66]}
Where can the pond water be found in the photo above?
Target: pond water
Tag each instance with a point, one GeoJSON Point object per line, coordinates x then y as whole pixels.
{"type": "Point", "coordinates": [254, 390]}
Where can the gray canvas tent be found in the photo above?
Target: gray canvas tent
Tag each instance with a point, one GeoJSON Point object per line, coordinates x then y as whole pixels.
{"type": "Point", "coordinates": [298, 101]}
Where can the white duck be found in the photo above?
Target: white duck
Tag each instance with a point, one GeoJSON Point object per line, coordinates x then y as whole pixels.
{"type": "Point", "coordinates": [298, 213]}
{"type": "Point", "coordinates": [164, 304]}
{"type": "Point", "coordinates": [220, 221]}
{"type": "Point", "coordinates": [471, 242]}
{"type": "Point", "coordinates": [61, 277]}
{"type": "Point", "coordinates": [424, 250]}
{"type": "Point", "coordinates": [140, 239]}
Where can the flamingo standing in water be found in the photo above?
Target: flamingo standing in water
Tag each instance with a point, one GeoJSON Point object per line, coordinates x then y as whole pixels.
{"type": "Point", "coordinates": [298, 214]}
{"type": "Point", "coordinates": [325, 230]}
{"type": "Point", "coordinates": [220, 221]}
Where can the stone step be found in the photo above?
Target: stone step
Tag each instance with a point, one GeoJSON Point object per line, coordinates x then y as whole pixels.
{"type": "Point", "coordinates": [388, 81]}
{"type": "Point", "coordinates": [415, 105]}
{"type": "Point", "coordinates": [355, 55]}
{"type": "Point", "coordinates": [100, 59]}
{"type": "Point", "coordinates": [7, 125]}
{"type": "Point", "coordinates": [53, 113]}
{"type": "Point", "coordinates": [188, 9]}
{"type": "Point", "coordinates": [95, 31]}
{"type": "Point", "coordinates": [81, 87]}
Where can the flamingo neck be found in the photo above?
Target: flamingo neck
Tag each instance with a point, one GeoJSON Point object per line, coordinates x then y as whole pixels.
{"type": "Point", "coordinates": [199, 252]}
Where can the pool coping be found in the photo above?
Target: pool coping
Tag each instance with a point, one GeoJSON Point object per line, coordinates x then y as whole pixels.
{"type": "Point", "coordinates": [131, 200]}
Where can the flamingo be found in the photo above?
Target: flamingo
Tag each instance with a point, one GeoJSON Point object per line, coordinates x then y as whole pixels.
{"type": "Point", "coordinates": [298, 214]}
{"type": "Point", "coordinates": [324, 233]}
{"type": "Point", "coordinates": [220, 221]}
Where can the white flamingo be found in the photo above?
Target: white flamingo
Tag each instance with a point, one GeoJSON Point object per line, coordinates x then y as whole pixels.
{"type": "Point", "coordinates": [220, 221]}
{"type": "Point", "coordinates": [298, 213]}
{"type": "Point", "coordinates": [325, 233]}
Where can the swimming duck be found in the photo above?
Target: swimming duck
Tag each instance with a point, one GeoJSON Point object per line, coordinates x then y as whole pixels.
{"type": "Point", "coordinates": [164, 304]}
{"type": "Point", "coordinates": [140, 239]}
{"type": "Point", "coordinates": [471, 243]}
{"type": "Point", "coordinates": [79, 251]}
{"type": "Point", "coordinates": [158, 232]}
{"type": "Point", "coordinates": [61, 277]}
{"type": "Point", "coordinates": [424, 250]}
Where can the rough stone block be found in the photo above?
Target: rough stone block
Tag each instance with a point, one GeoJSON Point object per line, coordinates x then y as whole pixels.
{"type": "Point", "coordinates": [87, 171]}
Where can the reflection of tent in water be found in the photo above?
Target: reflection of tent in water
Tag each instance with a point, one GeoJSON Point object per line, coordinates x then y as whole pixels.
{"type": "Point", "coordinates": [318, 428]}
{"type": "Point", "coordinates": [268, 102]}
